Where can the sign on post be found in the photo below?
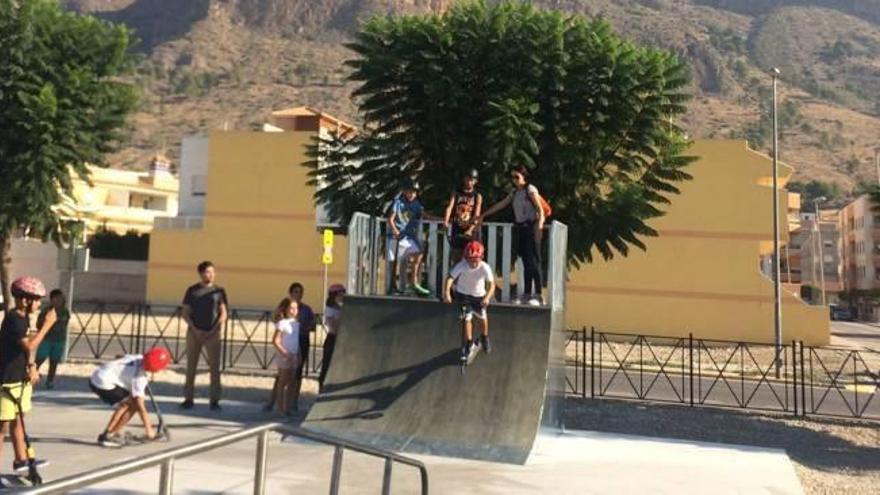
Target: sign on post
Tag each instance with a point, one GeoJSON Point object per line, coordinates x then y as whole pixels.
{"type": "Point", "coordinates": [327, 257]}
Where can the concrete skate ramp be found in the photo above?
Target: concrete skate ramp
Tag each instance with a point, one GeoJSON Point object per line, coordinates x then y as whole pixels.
{"type": "Point", "coordinates": [395, 381]}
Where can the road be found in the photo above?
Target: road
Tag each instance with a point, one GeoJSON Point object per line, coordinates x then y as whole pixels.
{"type": "Point", "coordinates": [856, 334]}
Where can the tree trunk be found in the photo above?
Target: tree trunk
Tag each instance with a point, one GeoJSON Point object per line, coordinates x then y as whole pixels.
{"type": "Point", "coordinates": [5, 263]}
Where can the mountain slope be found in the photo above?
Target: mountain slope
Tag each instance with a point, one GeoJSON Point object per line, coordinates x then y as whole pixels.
{"type": "Point", "coordinates": [225, 63]}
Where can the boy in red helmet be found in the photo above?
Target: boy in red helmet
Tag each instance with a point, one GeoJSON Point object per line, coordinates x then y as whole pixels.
{"type": "Point", "coordinates": [123, 383]}
{"type": "Point", "coordinates": [474, 286]}
{"type": "Point", "coordinates": [18, 369]}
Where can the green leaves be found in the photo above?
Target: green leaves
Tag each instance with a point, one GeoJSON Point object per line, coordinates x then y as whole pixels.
{"type": "Point", "coordinates": [61, 105]}
{"type": "Point", "coordinates": [488, 87]}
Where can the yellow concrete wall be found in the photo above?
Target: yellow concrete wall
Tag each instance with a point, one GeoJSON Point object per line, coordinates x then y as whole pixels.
{"type": "Point", "coordinates": [259, 226]}
{"type": "Point", "coordinates": [702, 274]}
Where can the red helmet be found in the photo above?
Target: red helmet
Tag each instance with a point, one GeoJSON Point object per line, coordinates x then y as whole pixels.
{"type": "Point", "coordinates": [156, 359]}
{"type": "Point", "coordinates": [473, 250]}
{"type": "Point", "coordinates": [28, 287]}
{"type": "Point", "coordinates": [336, 289]}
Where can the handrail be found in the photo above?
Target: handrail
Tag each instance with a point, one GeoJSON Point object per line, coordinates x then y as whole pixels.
{"type": "Point", "coordinates": [166, 461]}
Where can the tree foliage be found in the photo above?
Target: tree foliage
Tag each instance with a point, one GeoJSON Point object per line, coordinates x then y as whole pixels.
{"type": "Point", "coordinates": [62, 105]}
{"type": "Point", "coordinates": [489, 87]}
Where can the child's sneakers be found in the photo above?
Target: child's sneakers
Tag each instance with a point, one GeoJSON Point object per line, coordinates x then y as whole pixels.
{"type": "Point", "coordinates": [420, 291]}
{"type": "Point", "coordinates": [23, 466]}
{"type": "Point", "coordinates": [110, 441]}
{"type": "Point", "coordinates": [485, 344]}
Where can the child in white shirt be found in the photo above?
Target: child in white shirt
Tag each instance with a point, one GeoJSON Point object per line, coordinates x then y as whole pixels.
{"type": "Point", "coordinates": [286, 342]}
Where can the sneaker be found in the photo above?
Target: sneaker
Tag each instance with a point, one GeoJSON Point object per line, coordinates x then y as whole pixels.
{"type": "Point", "coordinates": [215, 405]}
{"type": "Point", "coordinates": [109, 441]}
{"type": "Point", "coordinates": [187, 404]}
{"type": "Point", "coordinates": [535, 301]}
{"type": "Point", "coordinates": [517, 300]}
{"type": "Point", "coordinates": [420, 291]}
{"type": "Point", "coordinates": [465, 351]}
{"type": "Point", "coordinates": [23, 466]}
{"type": "Point", "coordinates": [485, 344]}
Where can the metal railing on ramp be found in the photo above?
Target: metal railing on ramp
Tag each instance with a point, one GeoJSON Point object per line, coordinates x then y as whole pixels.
{"type": "Point", "coordinates": [165, 460]}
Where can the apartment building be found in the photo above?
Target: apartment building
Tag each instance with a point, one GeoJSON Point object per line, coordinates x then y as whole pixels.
{"type": "Point", "coordinates": [860, 248]}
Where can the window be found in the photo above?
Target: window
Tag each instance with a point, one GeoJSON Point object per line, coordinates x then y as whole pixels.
{"type": "Point", "coordinates": [828, 244]}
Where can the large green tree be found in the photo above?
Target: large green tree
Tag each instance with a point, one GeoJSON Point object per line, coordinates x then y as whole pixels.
{"type": "Point", "coordinates": [491, 86]}
{"type": "Point", "coordinates": [63, 101]}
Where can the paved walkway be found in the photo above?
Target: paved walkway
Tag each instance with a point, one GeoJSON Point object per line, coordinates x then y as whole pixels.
{"type": "Point", "coordinates": [66, 424]}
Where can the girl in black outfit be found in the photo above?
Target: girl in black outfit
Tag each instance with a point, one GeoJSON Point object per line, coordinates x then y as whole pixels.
{"type": "Point", "coordinates": [528, 230]}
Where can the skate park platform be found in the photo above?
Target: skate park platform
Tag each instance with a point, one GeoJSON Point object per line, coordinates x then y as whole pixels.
{"type": "Point", "coordinates": [64, 424]}
{"type": "Point", "coordinates": [396, 382]}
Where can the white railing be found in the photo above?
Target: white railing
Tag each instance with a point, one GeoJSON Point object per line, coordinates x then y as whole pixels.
{"type": "Point", "coordinates": [370, 273]}
{"type": "Point", "coordinates": [179, 223]}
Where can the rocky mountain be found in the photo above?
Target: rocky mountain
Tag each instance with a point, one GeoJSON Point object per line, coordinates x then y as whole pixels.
{"type": "Point", "coordinates": [225, 63]}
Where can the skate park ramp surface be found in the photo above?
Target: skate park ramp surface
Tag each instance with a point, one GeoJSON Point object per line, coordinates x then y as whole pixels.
{"type": "Point", "coordinates": [395, 382]}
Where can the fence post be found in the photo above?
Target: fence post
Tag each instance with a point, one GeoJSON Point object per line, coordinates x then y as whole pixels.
{"type": "Point", "coordinates": [260, 467]}
{"type": "Point", "coordinates": [592, 362]}
{"type": "Point", "coordinates": [166, 477]}
{"type": "Point", "coordinates": [691, 367]}
{"type": "Point", "coordinates": [803, 387]}
{"type": "Point", "coordinates": [224, 347]}
{"type": "Point", "coordinates": [583, 363]}
{"type": "Point", "coordinates": [336, 471]}
{"type": "Point", "coordinates": [794, 372]}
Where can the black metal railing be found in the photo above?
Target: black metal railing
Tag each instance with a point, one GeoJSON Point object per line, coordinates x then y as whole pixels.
{"type": "Point", "coordinates": [795, 379]}
{"type": "Point", "coordinates": [104, 331]}
{"type": "Point", "coordinates": [798, 379]}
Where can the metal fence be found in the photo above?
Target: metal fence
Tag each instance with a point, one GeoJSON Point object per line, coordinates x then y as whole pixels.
{"type": "Point", "coordinates": [370, 272]}
{"type": "Point", "coordinates": [103, 331]}
{"type": "Point", "coordinates": [826, 381]}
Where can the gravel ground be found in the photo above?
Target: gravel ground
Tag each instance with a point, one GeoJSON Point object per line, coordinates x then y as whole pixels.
{"type": "Point", "coordinates": [830, 456]}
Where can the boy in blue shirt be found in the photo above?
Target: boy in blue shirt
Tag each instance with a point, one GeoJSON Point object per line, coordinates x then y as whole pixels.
{"type": "Point", "coordinates": [404, 228]}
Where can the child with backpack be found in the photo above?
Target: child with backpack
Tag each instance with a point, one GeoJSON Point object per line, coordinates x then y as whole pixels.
{"type": "Point", "coordinates": [123, 383]}
{"type": "Point", "coordinates": [464, 208]}
{"type": "Point", "coordinates": [529, 214]}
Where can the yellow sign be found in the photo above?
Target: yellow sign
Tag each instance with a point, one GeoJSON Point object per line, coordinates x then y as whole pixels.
{"type": "Point", "coordinates": [327, 257]}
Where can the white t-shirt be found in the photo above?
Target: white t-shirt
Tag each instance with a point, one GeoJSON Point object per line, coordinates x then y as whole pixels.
{"type": "Point", "coordinates": [332, 319]}
{"type": "Point", "coordinates": [126, 372]}
{"type": "Point", "coordinates": [289, 329]}
{"type": "Point", "coordinates": [523, 208]}
{"type": "Point", "coordinates": [472, 281]}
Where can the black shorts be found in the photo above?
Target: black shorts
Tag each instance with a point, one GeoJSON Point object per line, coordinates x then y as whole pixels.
{"type": "Point", "coordinates": [471, 306]}
{"type": "Point", "coordinates": [304, 345]}
{"type": "Point", "coordinates": [112, 397]}
{"type": "Point", "coordinates": [458, 239]}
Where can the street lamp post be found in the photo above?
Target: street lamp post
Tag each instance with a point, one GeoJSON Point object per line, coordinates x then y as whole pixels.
{"type": "Point", "coordinates": [777, 282]}
{"type": "Point", "coordinates": [816, 202]}
{"type": "Point", "coordinates": [877, 162]}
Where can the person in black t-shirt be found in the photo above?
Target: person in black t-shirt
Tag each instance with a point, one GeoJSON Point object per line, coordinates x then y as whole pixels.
{"type": "Point", "coordinates": [205, 309]}
{"type": "Point", "coordinates": [465, 206]}
{"type": "Point", "coordinates": [18, 370]}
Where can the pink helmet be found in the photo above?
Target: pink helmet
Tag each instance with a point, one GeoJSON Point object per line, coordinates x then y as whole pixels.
{"type": "Point", "coordinates": [336, 289]}
{"type": "Point", "coordinates": [28, 288]}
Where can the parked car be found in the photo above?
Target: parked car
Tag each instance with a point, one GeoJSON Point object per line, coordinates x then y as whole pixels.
{"type": "Point", "coordinates": [840, 313]}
